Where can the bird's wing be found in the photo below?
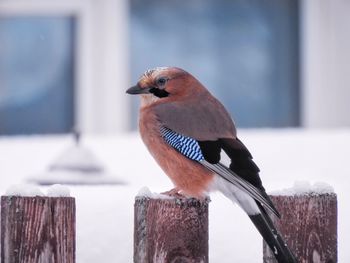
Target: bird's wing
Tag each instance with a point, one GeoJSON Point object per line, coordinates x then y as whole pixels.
{"type": "Point", "coordinates": [208, 154]}
{"type": "Point", "coordinates": [205, 118]}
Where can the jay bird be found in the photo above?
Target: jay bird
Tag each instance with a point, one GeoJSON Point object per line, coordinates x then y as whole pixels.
{"type": "Point", "coordinates": [185, 128]}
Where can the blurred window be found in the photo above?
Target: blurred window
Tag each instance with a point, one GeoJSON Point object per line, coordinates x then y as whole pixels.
{"type": "Point", "coordinates": [245, 52]}
{"type": "Point", "coordinates": [36, 74]}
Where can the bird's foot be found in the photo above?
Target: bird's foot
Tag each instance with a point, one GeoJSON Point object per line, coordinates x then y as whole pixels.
{"type": "Point", "coordinates": [175, 192]}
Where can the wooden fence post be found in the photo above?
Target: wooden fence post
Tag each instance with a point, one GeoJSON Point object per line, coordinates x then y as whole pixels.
{"type": "Point", "coordinates": [309, 226]}
{"type": "Point", "coordinates": [170, 230]}
{"type": "Point", "coordinates": [37, 229]}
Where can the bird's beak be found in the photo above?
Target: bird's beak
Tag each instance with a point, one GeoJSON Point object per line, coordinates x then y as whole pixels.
{"type": "Point", "coordinates": [137, 90]}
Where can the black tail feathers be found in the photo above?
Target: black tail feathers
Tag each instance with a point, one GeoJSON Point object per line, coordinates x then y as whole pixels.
{"type": "Point", "coordinates": [276, 243]}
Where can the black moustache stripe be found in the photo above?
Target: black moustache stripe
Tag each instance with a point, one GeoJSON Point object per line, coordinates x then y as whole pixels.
{"type": "Point", "coordinates": [160, 93]}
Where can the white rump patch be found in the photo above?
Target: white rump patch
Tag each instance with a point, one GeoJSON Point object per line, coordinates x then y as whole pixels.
{"type": "Point", "coordinates": [236, 195]}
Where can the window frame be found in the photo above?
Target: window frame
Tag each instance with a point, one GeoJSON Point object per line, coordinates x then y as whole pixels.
{"type": "Point", "coordinates": [102, 77]}
{"type": "Point", "coordinates": [101, 62]}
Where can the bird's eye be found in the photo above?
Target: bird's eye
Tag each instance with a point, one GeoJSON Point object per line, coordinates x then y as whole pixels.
{"type": "Point", "coordinates": [161, 81]}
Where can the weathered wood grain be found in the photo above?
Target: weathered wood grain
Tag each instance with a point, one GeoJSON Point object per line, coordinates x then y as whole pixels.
{"type": "Point", "coordinates": [309, 226]}
{"type": "Point", "coordinates": [37, 229]}
{"type": "Point", "coordinates": [171, 230]}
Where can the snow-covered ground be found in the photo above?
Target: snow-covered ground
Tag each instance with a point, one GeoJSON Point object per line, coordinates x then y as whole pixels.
{"type": "Point", "coordinates": [105, 213]}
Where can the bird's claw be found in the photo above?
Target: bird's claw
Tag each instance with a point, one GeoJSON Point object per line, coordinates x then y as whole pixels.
{"type": "Point", "coordinates": [175, 192]}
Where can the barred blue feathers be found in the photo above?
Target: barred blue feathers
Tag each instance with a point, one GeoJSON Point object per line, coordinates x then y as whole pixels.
{"type": "Point", "coordinates": [187, 146]}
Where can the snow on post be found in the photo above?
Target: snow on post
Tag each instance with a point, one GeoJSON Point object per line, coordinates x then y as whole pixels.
{"type": "Point", "coordinates": [37, 228]}
{"type": "Point", "coordinates": [308, 222]}
{"type": "Point", "coordinates": [168, 229]}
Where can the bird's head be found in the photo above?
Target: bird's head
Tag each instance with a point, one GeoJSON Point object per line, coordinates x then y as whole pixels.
{"type": "Point", "coordinates": [165, 82]}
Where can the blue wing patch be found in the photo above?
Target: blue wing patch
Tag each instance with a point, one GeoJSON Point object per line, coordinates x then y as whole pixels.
{"type": "Point", "coordinates": [187, 146]}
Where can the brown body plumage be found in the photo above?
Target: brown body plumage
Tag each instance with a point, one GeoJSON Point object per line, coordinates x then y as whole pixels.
{"type": "Point", "coordinates": [192, 178]}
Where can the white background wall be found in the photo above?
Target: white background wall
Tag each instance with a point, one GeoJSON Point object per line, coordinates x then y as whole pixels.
{"type": "Point", "coordinates": [325, 46]}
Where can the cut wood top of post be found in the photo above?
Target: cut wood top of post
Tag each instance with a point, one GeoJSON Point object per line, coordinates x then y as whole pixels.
{"type": "Point", "coordinates": [305, 188]}
{"type": "Point", "coordinates": [146, 194]}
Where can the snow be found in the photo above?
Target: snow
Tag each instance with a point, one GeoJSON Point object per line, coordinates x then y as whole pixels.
{"type": "Point", "coordinates": [76, 165]}
{"type": "Point", "coordinates": [58, 190]}
{"type": "Point", "coordinates": [305, 188]}
{"type": "Point", "coordinates": [105, 213]}
{"type": "Point", "coordinates": [24, 190]}
{"type": "Point", "coordinates": [55, 190]}
{"type": "Point", "coordinates": [77, 157]}
{"type": "Point", "coordinates": [146, 192]}
{"type": "Point", "coordinates": [74, 177]}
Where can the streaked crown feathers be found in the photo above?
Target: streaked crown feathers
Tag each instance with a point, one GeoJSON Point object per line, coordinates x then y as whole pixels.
{"type": "Point", "coordinates": [150, 72]}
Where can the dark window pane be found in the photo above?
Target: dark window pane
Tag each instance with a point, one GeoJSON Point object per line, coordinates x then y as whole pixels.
{"type": "Point", "coordinates": [36, 75]}
{"type": "Point", "coordinates": [245, 52]}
